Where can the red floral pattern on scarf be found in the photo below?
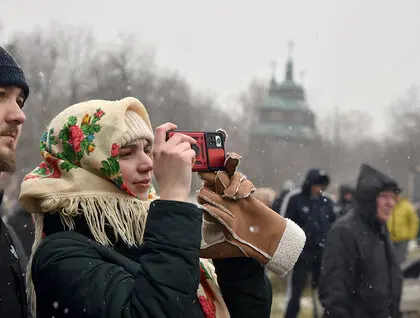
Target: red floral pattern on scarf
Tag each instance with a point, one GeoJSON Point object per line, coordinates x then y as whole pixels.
{"type": "Point", "coordinates": [207, 302]}
{"type": "Point", "coordinates": [74, 142]}
{"type": "Point", "coordinates": [115, 150]}
{"type": "Point", "coordinates": [76, 137]}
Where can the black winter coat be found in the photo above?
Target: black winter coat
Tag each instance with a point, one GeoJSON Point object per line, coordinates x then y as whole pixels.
{"type": "Point", "coordinates": [277, 201]}
{"type": "Point", "coordinates": [21, 222]}
{"type": "Point", "coordinates": [76, 277]}
{"type": "Point", "coordinates": [360, 275]}
{"type": "Point", "coordinates": [314, 215]}
{"type": "Point", "coordinates": [12, 275]}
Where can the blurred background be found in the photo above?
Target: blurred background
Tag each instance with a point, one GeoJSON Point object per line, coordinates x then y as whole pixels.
{"type": "Point", "coordinates": [296, 84]}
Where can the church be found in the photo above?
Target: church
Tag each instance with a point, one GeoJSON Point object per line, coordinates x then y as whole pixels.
{"type": "Point", "coordinates": [284, 142]}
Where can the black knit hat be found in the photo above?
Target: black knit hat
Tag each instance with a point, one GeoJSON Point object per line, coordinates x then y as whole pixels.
{"type": "Point", "coordinates": [11, 73]}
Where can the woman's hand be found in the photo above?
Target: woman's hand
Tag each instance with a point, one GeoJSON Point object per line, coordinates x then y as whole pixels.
{"type": "Point", "coordinates": [172, 163]}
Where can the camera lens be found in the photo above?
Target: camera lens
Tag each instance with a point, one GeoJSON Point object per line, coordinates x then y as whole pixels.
{"type": "Point", "coordinates": [218, 141]}
{"type": "Point", "coordinates": [195, 148]}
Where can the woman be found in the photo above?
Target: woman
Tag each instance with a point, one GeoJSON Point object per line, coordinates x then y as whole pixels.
{"type": "Point", "coordinates": [107, 250]}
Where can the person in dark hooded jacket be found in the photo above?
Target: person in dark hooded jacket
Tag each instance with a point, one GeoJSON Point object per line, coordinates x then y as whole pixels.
{"type": "Point", "coordinates": [345, 201]}
{"type": "Point", "coordinates": [313, 211]}
{"type": "Point", "coordinates": [360, 274]}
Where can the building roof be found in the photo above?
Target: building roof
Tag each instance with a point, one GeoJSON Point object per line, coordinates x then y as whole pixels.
{"type": "Point", "coordinates": [291, 131]}
{"type": "Point", "coordinates": [278, 102]}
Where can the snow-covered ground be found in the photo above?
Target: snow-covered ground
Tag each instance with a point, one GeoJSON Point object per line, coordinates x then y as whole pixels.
{"type": "Point", "coordinates": [279, 306]}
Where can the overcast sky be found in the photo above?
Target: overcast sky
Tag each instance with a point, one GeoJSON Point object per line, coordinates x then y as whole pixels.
{"type": "Point", "coordinates": [359, 54]}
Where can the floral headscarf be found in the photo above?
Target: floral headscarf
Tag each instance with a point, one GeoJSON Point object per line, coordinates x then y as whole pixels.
{"type": "Point", "coordinates": [81, 168]}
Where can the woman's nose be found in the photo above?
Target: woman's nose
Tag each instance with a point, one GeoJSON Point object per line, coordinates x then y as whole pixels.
{"type": "Point", "coordinates": [145, 164]}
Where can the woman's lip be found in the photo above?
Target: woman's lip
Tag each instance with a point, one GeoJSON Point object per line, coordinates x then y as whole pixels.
{"type": "Point", "coordinates": [143, 183]}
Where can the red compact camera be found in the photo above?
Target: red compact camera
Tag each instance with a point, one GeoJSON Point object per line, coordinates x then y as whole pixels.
{"type": "Point", "coordinates": [210, 149]}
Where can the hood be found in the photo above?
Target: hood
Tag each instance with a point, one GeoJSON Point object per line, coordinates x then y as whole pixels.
{"type": "Point", "coordinates": [343, 190]}
{"type": "Point", "coordinates": [369, 184]}
{"type": "Point", "coordinates": [315, 176]}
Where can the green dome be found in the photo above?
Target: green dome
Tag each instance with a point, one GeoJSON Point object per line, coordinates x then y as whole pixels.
{"type": "Point", "coordinates": [288, 89]}
{"type": "Point", "coordinates": [277, 102]}
{"type": "Point", "coordinates": [287, 86]}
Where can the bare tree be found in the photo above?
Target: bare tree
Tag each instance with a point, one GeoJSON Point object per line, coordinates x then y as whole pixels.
{"type": "Point", "coordinates": [405, 127]}
{"type": "Point", "coordinates": [250, 101]}
{"type": "Point", "coordinates": [77, 49]}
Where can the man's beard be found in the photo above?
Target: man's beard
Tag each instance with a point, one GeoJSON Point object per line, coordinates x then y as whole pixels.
{"type": "Point", "coordinates": [7, 160]}
{"type": "Point", "coordinates": [8, 152]}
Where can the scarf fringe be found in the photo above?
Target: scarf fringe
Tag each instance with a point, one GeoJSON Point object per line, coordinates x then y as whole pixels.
{"type": "Point", "coordinates": [30, 288]}
{"type": "Point", "coordinates": [125, 215]}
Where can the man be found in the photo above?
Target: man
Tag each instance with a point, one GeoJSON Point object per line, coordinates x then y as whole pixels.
{"type": "Point", "coordinates": [13, 93]}
{"type": "Point", "coordinates": [360, 275]}
{"type": "Point", "coordinates": [345, 200]}
{"type": "Point", "coordinates": [403, 226]}
{"type": "Point", "coordinates": [313, 211]}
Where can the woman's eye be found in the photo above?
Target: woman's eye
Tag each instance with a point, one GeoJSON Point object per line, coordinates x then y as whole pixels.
{"type": "Point", "coordinates": [125, 154]}
{"type": "Point", "coordinates": [147, 149]}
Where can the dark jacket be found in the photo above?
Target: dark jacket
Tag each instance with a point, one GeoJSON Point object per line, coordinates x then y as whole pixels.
{"type": "Point", "coordinates": [12, 275]}
{"type": "Point", "coordinates": [277, 201]}
{"type": "Point", "coordinates": [314, 215]}
{"type": "Point", "coordinates": [360, 275]}
{"type": "Point", "coordinates": [77, 277]}
{"type": "Point", "coordinates": [21, 222]}
{"type": "Point", "coordinates": [343, 205]}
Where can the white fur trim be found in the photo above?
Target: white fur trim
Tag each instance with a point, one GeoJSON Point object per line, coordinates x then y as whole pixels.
{"type": "Point", "coordinates": [288, 251]}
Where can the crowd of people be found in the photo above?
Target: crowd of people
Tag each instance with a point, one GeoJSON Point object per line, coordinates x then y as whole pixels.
{"type": "Point", "coordinates": [98, 240]}
{"type": "Point", "coordinates": [356, 243]}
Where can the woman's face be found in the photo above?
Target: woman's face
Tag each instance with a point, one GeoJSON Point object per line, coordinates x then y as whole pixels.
{"type": "Point", "coordinates": [136, 167]}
